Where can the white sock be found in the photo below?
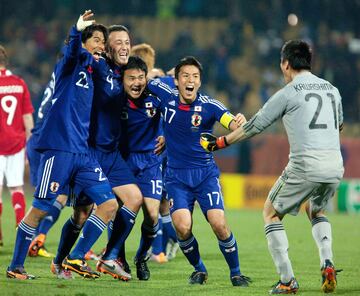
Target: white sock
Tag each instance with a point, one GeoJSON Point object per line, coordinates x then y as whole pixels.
{"type": "Point", "coordinates": [321, 232]}
{"type": "Point", "coordinates": [278, 246]}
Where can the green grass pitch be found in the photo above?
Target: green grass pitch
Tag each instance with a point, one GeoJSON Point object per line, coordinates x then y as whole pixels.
{"type": "Point", "coordinates": [171, 278]}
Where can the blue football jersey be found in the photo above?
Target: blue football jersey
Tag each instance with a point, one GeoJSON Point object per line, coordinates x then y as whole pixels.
{"type": "Point", "coordinates": [66, 127]}
{"type": "Point", "coordinates": [141, 125]}
{"type": "Point", "coordinates": [169, 80]}
{"type": "Point", "coordinates": [45, 105]}
{"type": "Point", "coordinates": [183, 124]}
{"type": "Point", "coordinates": [105, 125]}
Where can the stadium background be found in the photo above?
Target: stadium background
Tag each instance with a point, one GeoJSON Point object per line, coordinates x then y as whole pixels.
{"type": "Point", "coordinates": [238, 42]}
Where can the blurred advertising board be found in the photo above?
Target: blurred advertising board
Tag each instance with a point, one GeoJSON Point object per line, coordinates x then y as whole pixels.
{"type": "Point", "coordinates": [349, 196]}
{"type": "Point", "coordinates": [245, 191]}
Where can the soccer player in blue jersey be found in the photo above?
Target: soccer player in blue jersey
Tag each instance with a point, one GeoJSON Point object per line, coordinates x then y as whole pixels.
{"type": "Point", "coordinates": [166, 236]}
{"type": "Point", "coordinates": [65, 158]}
{"type": "Point", "coordinates": [104, 140]}
{"type": "Point", "coordinates": [141, 149]}
{"type": "Point", "coordinates": [192, 174]}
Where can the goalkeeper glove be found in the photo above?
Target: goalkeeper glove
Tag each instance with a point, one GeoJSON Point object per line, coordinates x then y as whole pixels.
{"type": "Point", "coordinates": [211, 143]}
{"type": "Point", "coordinates": [82, 22]}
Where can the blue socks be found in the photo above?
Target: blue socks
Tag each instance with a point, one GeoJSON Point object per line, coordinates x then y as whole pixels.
{"type": "Point", "coordinates": [168, 230]}
{"type": "Point", "coordinates": [69, 234]}
{"type": "Point", "coordinates": [157, 244]}
{"type": "Point", "coordinates": [148, 234]}
{"type": "Point", "coordinates": [230, 251]}
{"type": "Point", "coordinates": [122, 226]}
{"type": "Point", "coordinates": [190, 248]}
{"type": "Point", "coordinates": [93, 228]}
{"type": "Point", "coordinates": [24, 237]}
{"type": "Point", "coordinates": [50, 218]}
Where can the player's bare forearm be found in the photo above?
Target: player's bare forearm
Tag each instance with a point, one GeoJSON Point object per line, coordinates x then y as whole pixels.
{"type": "Point", "coordinates": [235, 136]}
{"type": "Point", "coordinates": [28, 124]}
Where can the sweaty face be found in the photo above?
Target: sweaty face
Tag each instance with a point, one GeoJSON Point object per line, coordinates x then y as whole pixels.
{"type": "Point", "coordinates": [134, 82]}
{"type": "Point", "coordinates": [188, 83]}
{"type": "Point", "coordinates": [119, 47]}
{"type": "Point", "coordinates": [95, 44]}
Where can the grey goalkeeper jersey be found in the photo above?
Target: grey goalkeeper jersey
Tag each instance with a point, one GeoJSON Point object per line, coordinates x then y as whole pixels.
{"type": "Point", "coordinates": [311, 110]}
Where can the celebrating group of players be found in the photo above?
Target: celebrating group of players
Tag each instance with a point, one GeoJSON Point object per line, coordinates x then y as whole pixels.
{"type": "Point", "coordinates": [100, 137]}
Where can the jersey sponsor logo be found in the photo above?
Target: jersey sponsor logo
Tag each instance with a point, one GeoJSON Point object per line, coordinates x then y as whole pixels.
{"type": "Point", "coordinates": [54, 186]}
{"type": "Point", "coordinates": [172, 103]}
{"type": "Point", "coordinates": [196, 119]}
{"type": "Point", "coordinates": [11, 89]}
{"type": "Point", "coordinates": [198, 109]}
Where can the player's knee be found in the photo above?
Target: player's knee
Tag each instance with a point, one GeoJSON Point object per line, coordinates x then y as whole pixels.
{"type": "Point", "coordinates": [183, 231]}
{"type": "Point", "coordinates": [136, 201]}
{"type": "Point", "coordinates": [108, 208]}
{"type": "Point", "coordinates": [152, 217]}
{"type": "Point", "coordinates": [221, 230]}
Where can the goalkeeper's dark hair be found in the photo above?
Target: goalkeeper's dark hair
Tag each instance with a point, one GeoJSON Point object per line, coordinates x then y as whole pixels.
{"type": "Point", "coordinates": [89, 31]}
{"type": "Point", "coordinates": [134, 62]}
{"type": "Point", "coordinates": [188, 61]}
{"type": "Point", "coordinates": [298, 53]}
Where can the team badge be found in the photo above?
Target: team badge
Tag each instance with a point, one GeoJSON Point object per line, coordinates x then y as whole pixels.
{"type": "Point", "coordinates": [54, 186]}
{"type": "Point", "coordinates": [151, 112]}
{"type": "Point", "coordinates": [196, 119]}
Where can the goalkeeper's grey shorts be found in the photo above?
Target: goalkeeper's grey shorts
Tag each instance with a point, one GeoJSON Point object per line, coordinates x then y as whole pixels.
{"type": "Point", "coordinates": [290, 191]}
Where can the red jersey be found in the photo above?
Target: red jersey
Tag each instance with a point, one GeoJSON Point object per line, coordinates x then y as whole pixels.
{"type": "Point", "coordinates": [14, 103]}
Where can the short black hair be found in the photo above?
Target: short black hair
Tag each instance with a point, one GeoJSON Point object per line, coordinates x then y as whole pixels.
{"type": "Point", "coordinates": [89, 31]}
{"type": "Point", "coordinates": [298, 53]}
{"type": "Point", "coordinates": [134, 62]}
{"type": "Point", "coordinates": [188, 61]}
{"type": "Point", "coordinates": [118, 28]}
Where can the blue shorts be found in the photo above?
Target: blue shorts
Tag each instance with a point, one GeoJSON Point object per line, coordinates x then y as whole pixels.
{"type": "Point", "coordinates": [185, 186]}
{"type": "Point", "coordinates": [34, 159]}
{"type": "Point", "coordinates": [146, 168]}
{"type": "Point", "coordinates": [59, 169]}
{"type": "Point", "coordinates": [114, 167]}
{"type": "Point", "coordinates": [77, 200]}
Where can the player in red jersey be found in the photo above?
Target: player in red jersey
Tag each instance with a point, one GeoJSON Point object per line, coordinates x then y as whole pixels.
{"type": "Point", "coordinates": [16, 123]}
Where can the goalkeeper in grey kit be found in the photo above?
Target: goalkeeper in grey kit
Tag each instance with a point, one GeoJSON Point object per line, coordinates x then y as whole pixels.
{"type": "Point", "coordinates": [311, 111]}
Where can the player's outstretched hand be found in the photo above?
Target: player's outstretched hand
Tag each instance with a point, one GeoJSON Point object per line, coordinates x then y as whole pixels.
{"type": "Point", "coordinates": [84, 20]}
{"type": "Point", "coordinates": [211, 143]}
{"type": "Point", "coordinates": [240, 119]}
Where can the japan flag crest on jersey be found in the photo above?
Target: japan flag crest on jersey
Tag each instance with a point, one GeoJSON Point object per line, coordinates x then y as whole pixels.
{"type": "Point", "coordinates": [196, 119]}
{"type": "Point", "coordinates": [54, 187]}
{"type": "Point", "coordinates": [150, 111]}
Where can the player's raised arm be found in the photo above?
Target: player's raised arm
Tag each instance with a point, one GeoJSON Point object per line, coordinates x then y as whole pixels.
{"type": "Point", "coordinates": [73, 50]}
